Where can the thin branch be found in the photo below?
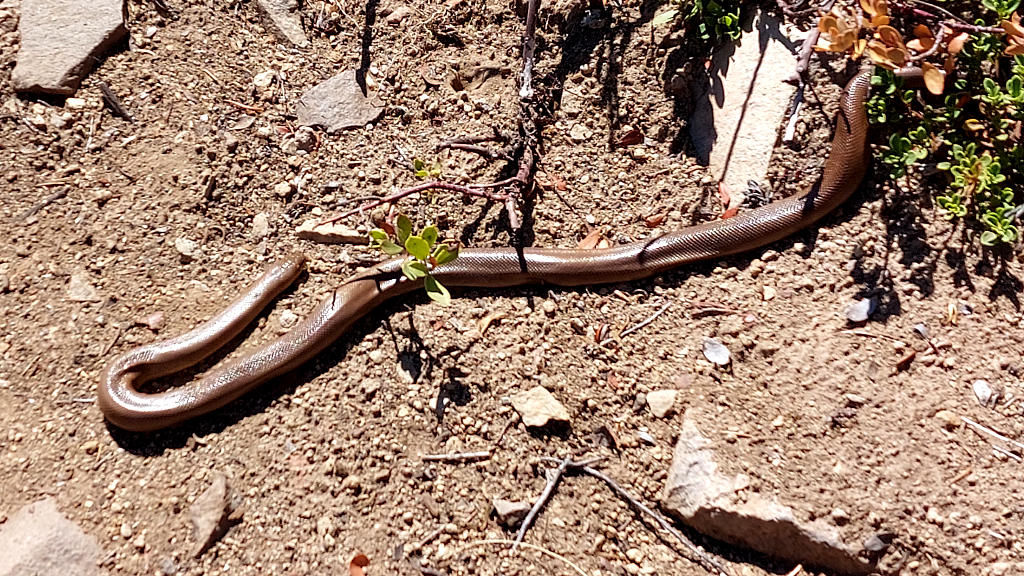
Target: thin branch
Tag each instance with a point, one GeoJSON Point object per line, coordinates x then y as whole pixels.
{"type": "Point", "coordinates": [553, 477]}
{"type": "Point", "coordinates": [434, 185]}
{"type": "Point", "coordinates": [529, 48]}
{"type": "Point", "coordinates": [702, 558]}
{"type": "Point", "coordinates": [642, 324]}
{"type": "Point", "coordinates": [544, 551]}
{"type": "Point", "coordinates": [457, 457]}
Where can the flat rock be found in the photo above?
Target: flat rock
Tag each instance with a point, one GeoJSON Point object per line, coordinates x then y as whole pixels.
{"type": "Point", "coordinates": [213, 512]}
{"type": "Point", "coordinates": [710, 503]}
{"type": "Point", "coordinates": [39, 540]}
{"type": "Point", "coordinates": [537, 407]}
{"type": "Point", "coordinates": [510, 514]}
{"type": "Point", "coordinates": [283, 18]}
{"type": "Point", "coordinates": [661, 402]}
{"type": "Point", "coordinates": [740, 110]}
{"type": "Point", "coordinates": [338, 103]}
{"type": "Point", "coordinates": [80, 288]}
{"type": "Point", "coordinates": [61, 40]}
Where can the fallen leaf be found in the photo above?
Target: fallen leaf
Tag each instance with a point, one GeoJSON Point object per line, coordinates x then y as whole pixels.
{"type": "Point", "coordinates": [630, 138]}
{"type": "Point", "coordinates": [934, 79]}
{"type": "Point", "coordinates": [730, 212]}
{"type": "Point", "coordinates": [355, 567]}
{"type": "Point", "coordinates": [593, 240]}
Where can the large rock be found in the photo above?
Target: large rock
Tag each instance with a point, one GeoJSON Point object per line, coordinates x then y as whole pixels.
{"type": "Point", "coordinates": [61, 40]}
{"type": "Point", "coordinates": [710, 503]}
{"type": "Point", "coordinates": [338, 103]}
{"type": "Point", "coordinates": [738, 114]}
{"type": "Point", "coordinates": [283, 18]}
{"type": "Point", "coordinates": [39, 540]}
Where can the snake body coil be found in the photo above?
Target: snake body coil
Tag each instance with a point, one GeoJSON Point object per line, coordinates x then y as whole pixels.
{"type": "Point", "coordinates": [126, 407]}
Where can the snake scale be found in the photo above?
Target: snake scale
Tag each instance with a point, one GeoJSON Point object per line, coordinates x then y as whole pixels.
{"type": "Point", "coordinates": [125, 406]}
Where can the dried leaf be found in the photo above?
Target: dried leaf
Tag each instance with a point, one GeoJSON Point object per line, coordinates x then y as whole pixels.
{"type": "Point", "coordinates": [591, 241]}
{"type": "Point", "coordinates": [729, 213]}
{"type": "Point", "coordinates": [934, 78]}
{"type": "Point", "coordinates": [630, 138]}
{"type": "Point", "coordinates": [356, 565]}
{"type": "Point", "coordinates": [956, 43]}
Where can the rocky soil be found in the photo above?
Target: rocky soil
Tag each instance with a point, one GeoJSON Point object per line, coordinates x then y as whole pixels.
{"type": "Point", "coordinates": [115, 233]}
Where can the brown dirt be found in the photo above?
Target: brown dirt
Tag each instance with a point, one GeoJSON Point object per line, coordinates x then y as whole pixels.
{"type": "Point", "coordinates": [328, 459]}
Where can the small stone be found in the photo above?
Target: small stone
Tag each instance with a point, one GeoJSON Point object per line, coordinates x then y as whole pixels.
{"type": "Point", "coordinates": [80, 288]}
{"type": "Point", "coordinates": [768, 293]}
{"type": "Point", "coordinates": [948, 420]}
{"type": "Point", "coordinates": [855, 401]}
{"type": "Point", "coordinates": [330, 233]}
{"type": "Point", "coordinates": [840, 517]}
{"type": "Point", "coordinates": [510, 514]}
{"type": "Point", "coordinates": [877, 542]}
{"type": "Point", "coordinates": [284, 189]}
{"type": "Point", "coordinates": [90, 446]}
{"type": "Point", "coordinates": [140, 541]}
{"type": "Point", "coordinates": [126, 530]}
{"type": "Point", "coordinates": [288, 319]}
{"type": "Point", "coordinates": [397, 15]}
{"type": "Point", "coordinates": [230, 143]}
{"type": "Point", "coordinates": [305, 139]}
{"type": "Point", "coordinates": [186, 248]}
{"type": "Point", "coordinates": [549, 307]}
{"type": "Point", "coordinates": [861, 310]}
{"type": "Point", "coordinates": [261, 225]}
{"type": "Point", "coordinates": [661, 402]}
{"type": "Point", "coordinates": [285, 20]}
{"type": "Point", "coordinates": [212, 513]}
{"type": "Point", "coordinates": [537, 407]}
{"type": "Point", "coordinates": [933, 516]}
{"type": "Point", "coordinates": [716, 352]}
{"type": "Point", "coordinates": [635, 555]}
{"type": "Point", "coordinates": [983, 392]}
{"type": "Point", "coordinates": [5, 283]}
{"type": "Point", "coordinates": [74, 103]}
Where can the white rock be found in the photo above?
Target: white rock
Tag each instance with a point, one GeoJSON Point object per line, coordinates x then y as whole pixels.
{"type": "Point", "coordinates": [537, 407]}
{"type": "Point", "coordinates": [661, 402]}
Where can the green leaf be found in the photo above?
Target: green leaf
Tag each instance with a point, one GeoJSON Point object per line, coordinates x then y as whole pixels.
{"type": "Point", "coordinates": [436, 291]}
{"type": "Point", "coordinates": [390, 248]}
{"type": "Point", "coordinates": [664, 18]}
{"type": "Point", "coordinates": [444, 255]}
{"type": "Point", "coordinates": [988, 238]}
{"type": "Point", "coordinates": [414, 269]}
{"type": "Point", "coordinates": [430, 235]}
{"type": "Point", "coordinates": [378, 235]}
{"type": "Point", "coordinates": [403, 228]}
{"type": "Point", "coordinates": [417, 247]}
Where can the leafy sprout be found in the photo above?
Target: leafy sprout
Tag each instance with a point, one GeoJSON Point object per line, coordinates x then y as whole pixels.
{"type": "Point", "coordinates": [423, 254]}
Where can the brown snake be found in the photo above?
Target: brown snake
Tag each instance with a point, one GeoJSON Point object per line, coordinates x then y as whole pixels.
{"type": "Point", "coordinates": [126, 407]}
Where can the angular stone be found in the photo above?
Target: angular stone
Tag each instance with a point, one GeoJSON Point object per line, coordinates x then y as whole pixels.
{"type": "Point", "coordinates": [338, 103]}
{"type": "Point", "coordinates": [39, 540]}
{"type": "Point", "coordinates": [61, 40]}
{"type": "Point", "coordinates": [738, 113]}
{"type": "Point", "coordinates": [213, 512]}
{"type": "Point", "coordinates": [708, 502]}
{"type": "Point", "coordinates": [80, 288]}
{"type": "Point", "coordinates": [510, 514]}
{"type": "Point", "coordinates": [661, 402]}
{"type": "Point", "coordinates": [537, 407]}
{"type": "Point", "coordinates": [282, 16]}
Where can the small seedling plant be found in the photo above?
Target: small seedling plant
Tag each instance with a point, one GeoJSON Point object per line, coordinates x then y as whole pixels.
{"type": "Point", "coordinates": [423, 253]}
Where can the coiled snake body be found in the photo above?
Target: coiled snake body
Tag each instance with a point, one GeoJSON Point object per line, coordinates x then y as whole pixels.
{"type": "Point", "coordinates": [126, 407]}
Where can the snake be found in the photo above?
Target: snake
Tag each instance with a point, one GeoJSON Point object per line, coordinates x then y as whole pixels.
{"type": "Point", "coordinates": [126, 404]}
